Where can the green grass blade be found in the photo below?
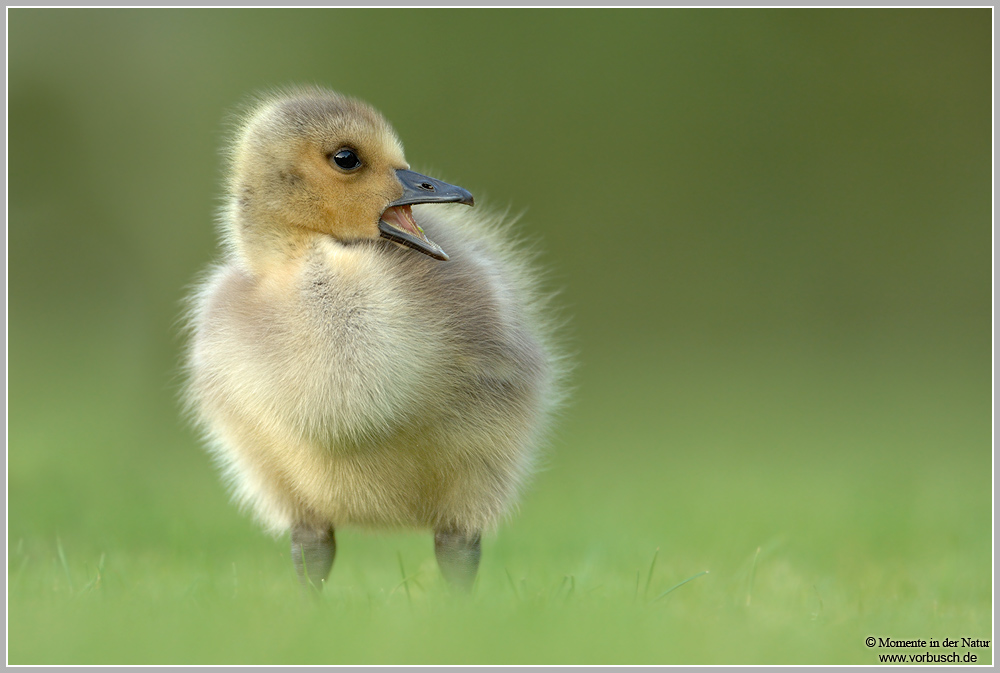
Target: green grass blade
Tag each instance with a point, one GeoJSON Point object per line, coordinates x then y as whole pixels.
{"type": "Point", "coordinates": [65, 564]}
{"type": "Point", "coordinates": [679, 585]}
{"type": "Point", "coordinates": [406, 582]}
{"type": "Point", "coordinates": [96, 582]}
{"type": "Point", "coordinates": [753, 575]}
{"type": "Point", "coordinates": [513, 586]}
{"type": "Point", "coordinates": [649, 577]}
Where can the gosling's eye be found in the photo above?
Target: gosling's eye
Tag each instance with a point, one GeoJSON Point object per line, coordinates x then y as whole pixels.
{"type": "Point", "coordinates": [346, 159]}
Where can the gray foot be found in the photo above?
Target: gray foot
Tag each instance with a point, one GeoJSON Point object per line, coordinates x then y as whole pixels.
{"type": "Point", "coordinates": [458, 557]}
{"type": "Point", "coordinates": [313, 550]}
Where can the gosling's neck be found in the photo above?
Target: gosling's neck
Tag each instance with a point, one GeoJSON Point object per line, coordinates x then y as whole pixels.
{"type": "Point", "coordinates": [265, 245]}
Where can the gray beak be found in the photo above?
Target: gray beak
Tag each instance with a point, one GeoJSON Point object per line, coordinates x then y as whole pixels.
{"type": "Point", "coordinates": [397, 223]}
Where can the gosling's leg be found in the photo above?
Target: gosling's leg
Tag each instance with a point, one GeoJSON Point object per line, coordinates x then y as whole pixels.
{"type": "Point", "coordinates": [313, 549]}
{"type": "Point", "coordinates": [457, 556]}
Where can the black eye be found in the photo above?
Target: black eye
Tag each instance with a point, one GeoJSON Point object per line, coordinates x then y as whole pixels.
{"type": "Point", "coordinates": [346, 159]}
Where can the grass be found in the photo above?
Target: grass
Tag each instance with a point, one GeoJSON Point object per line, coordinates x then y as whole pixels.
{"type": "Point", "coordinates": [775, 540]}
{"type": "Point", "coordinates": [549, 591]}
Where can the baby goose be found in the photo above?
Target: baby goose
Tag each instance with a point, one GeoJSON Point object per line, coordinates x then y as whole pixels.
{"type": "Point", "coordinates": [356, 362]}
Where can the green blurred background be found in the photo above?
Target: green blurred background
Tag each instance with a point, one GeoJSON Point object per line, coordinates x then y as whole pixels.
{"type": "Point", "coordinates": [771, 230]}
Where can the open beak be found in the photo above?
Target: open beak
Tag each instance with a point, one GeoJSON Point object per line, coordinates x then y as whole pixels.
{"type": "Point", "coordinates": [397, 223]}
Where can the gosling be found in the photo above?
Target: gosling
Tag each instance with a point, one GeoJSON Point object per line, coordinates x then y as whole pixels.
{"type": "Point", "coordinates": [362, 355]}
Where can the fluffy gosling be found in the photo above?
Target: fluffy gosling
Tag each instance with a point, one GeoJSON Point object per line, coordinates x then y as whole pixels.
{"type": "Point", "coordinates": [357, 358]}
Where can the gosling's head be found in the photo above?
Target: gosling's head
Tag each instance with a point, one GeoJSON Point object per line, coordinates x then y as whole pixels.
{"type": "Point", "coordinates": [314, 160]}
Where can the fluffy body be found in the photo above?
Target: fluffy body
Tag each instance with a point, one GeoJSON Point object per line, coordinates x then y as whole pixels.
{"type": "Point", "coordinates": [342, 379]}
